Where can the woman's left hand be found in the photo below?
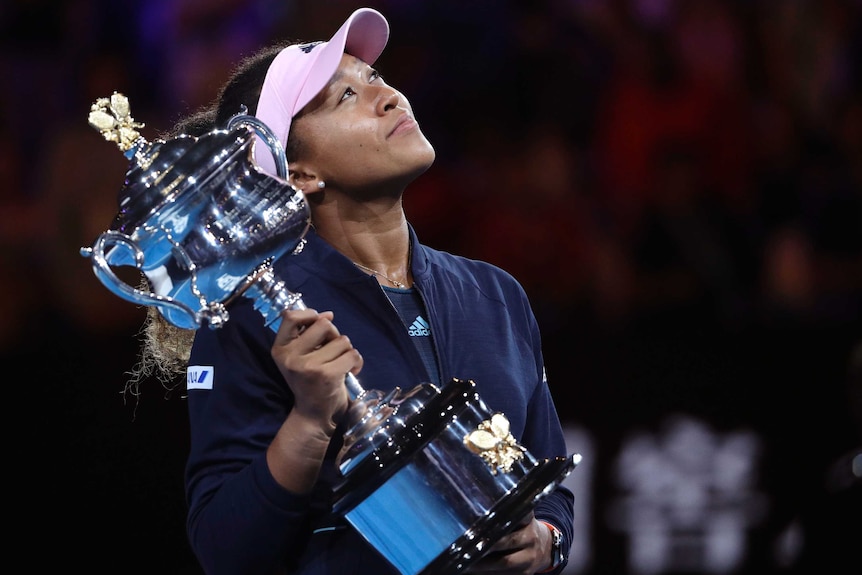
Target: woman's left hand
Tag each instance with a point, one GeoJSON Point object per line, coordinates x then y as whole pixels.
{"type": "Point", "coordinates": [523, 551]}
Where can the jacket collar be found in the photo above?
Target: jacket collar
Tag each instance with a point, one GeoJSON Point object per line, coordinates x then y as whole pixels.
{"type": "Point", "coordinates": [319, 258]}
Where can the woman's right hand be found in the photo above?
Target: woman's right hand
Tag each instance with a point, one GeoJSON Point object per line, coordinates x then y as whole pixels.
{"type": "Point", "coordinates": [314, 358]}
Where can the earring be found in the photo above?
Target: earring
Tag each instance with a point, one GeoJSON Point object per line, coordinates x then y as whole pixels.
{"type": "Point", "coordinates": [321, 184]}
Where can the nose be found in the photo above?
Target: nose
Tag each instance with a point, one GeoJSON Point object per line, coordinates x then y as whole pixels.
{"type": "Point", "coordinates": [387, 99]}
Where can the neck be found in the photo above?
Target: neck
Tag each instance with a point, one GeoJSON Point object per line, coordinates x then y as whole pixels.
{"type": "Point", "coordinates": [377, 240]}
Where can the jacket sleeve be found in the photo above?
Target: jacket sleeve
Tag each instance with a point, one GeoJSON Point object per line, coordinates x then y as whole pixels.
{"type": "Point", "coordinates": [240, 520]}
{"type": "Point", "coordinates": [558, 508]}
{"type": "Point", "coordinates": [543, 437]}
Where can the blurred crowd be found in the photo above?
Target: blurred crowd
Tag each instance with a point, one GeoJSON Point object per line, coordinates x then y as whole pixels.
{"type": "Point", "coordinates": [650, 170]}
{"type": "Point", "coordinates": [693, 161]}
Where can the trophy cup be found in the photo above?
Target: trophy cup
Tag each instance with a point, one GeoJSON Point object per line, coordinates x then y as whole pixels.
{"type": "Point", "coordinates": [430, 476]}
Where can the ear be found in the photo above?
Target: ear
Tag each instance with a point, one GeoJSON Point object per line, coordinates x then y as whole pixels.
{"type": "Point", "coordinates": [304, 179]}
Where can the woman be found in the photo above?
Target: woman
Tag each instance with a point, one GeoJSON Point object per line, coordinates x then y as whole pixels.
{"type": "Point", "coordinates": [265, 428]}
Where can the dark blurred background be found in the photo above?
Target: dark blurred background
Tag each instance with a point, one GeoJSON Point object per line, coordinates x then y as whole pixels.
{"type": "Point", "coordinates": [676, 183]}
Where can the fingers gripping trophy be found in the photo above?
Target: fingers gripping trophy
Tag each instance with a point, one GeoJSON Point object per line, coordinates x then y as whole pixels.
{"type": "Point", "coordinates": [204, 224]}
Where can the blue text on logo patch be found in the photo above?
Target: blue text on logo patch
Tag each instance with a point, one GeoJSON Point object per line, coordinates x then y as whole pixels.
{"type": "Point", "coordinates": [199, 377]}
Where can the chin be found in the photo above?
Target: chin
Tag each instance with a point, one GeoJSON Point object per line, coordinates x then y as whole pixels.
{"type": "Point", "coordinates": [425, 165]}
{"type": "Point", "coordinates": [418, 160]}
{"type": "Point", "coordinates": [429, 156]}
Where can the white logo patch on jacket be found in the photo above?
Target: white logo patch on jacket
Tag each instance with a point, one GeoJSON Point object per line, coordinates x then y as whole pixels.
{"type": "Point", "coordinates": [199, 377]}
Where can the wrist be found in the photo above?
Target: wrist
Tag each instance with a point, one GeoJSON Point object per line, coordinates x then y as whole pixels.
{"type": "Point", "coordinates": [556, 555]}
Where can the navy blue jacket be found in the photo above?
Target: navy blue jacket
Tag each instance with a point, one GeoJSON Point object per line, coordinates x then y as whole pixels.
{"type": "Point", "coordinates": [240, 520]}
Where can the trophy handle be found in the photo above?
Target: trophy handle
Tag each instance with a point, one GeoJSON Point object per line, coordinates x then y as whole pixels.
{"type": "Point", "coordinates": [266, 134]}
{"type": "Point", "coordinates": [216, 313]}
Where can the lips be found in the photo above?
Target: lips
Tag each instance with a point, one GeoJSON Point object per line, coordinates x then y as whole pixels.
{"type": "Point", "coordinates": [405, 123]}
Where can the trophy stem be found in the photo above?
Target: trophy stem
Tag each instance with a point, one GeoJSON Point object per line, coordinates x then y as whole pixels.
{"type": "Point", "coordinates": [271, 297]}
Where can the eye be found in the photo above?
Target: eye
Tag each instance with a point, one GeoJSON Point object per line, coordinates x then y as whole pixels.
{"type": "Point", "coordinates": [373, 76]}
{"type": "Point", "coordinates": [348, 92]}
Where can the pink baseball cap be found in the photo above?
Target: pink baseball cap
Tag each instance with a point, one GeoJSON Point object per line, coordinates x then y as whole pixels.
{"type": "Point", "coordinates": [299, 72]}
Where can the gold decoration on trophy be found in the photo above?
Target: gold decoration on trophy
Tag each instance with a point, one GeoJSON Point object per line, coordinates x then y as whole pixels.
{"type": "Point", "coordinates": [112, 117]}
{"type": "Point", "coordinates": [493, 442]}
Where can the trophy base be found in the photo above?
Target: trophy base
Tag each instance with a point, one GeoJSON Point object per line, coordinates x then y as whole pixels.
{"type": "Point", "coordinates": [473, 544]}
{"type": "Point", "coordinates": [415, 491]}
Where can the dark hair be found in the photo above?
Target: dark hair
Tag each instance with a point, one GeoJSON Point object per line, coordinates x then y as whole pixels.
{"type": "Point", "coordinates": [242, 89]}
{"type": "Point", "coordinates": [197, 124]}
{"type": "Point", "coordinates": [244, 85]}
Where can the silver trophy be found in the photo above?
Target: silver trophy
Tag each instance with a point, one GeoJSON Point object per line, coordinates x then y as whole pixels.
{"type": "Point", "coordinates": [430, 476]}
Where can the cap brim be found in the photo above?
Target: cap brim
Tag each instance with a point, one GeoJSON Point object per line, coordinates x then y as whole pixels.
{"type": "Point", "coordinates": [296, 76]}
